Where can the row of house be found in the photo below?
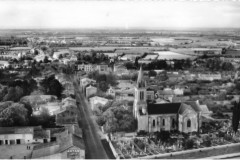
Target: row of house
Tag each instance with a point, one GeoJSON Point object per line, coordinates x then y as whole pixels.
{"type": "Point", "coordinates": [101, 68]}
{"type": "Point", "coordinates": [39, 143]}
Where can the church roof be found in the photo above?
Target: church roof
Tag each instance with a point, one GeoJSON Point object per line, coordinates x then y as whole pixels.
{"type": "Point", "coordinates": [184, 107]}
{"type": "Point", "coordinates": [163, 108]}
{"type": "Point", "coordinates": [194, 105]}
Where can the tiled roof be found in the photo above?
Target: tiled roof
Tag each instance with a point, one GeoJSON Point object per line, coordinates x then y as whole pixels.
{"type": "Point", "coordinates": [74, 129]}
{"type": "Point", "coordinates": [163, 108]}
{"type": "Point", "coordinates": [16, 130]}
{"type": "Point", "coordinates": [194, 105]}
{"type": "Point", "coordinates": [40, 134]}
{"type": "Point", "coordinates": [70, 141]}
{"type": "Point", "coordinates": [45, 149]}
{"type": "Point", "coordinates": [184, 107]}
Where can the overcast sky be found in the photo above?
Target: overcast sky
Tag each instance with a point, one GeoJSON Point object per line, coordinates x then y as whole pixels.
{"type": "Point", "coordinates": [118, 14]}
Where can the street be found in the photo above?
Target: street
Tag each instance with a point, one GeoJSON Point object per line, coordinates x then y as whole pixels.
{"type": "Point", "coordinates": [94, 147]}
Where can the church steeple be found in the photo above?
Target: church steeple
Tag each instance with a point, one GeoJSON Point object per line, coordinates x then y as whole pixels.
{"type": "Point", "coordinates": [140, 81]}
{"type": "Point", "coordinates": [140, 95]}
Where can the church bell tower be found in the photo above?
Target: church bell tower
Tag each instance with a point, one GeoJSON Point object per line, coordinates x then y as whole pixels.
{"type": "Point", "coordinates": [140, 95]}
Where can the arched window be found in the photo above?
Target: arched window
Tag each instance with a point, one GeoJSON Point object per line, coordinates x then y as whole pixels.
{"type": "Point", "coordinates": [189, 123]}
{"type": "Point", "coordinates": [173, 123]}
{"type": "Point", "coordinates": [141, 95]}
{"type": "Point", "coordinates": [154, 123]}
{"type": "Point", "coordinates": [163, 122]}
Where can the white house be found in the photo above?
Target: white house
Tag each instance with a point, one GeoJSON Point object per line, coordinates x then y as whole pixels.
{"type": "Point", "coordinates": [4, 64]}
{"type": "Point", "coordinates": [90, 90]}
{"type": "Point", "coordinates": [97, 101]}
{"type": "Point", "coordinates": [209, 77]}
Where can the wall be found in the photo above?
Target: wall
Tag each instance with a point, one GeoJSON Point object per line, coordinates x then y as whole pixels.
{"type": "Point", "coordinates": [26, 138]}
{"type": "Point", "coordinates": [64, 154]}
{"type": "Point", "coordinates": [143, 123]}
{"type": "Point", "coordinates": [112, 148]}
{"type": "Point", "coordinates": [199, 153]}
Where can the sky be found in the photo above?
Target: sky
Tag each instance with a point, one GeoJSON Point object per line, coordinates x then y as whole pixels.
{"type": "Point", "coordinates": [124, 14]}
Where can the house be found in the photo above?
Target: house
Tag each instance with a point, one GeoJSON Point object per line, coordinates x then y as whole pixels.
{"type": "Point", "coordinates": [86, 67]}
{"type": "Point", "coordinates": [16, 135]}
{"type": "Point", "coordinates": [111, 91]}
{"type": "Point", "coordinates": [166, 94]}
{"type": "Point", "coordinates": [209, 77]}
{"type": "Point", "coordinates": [180, 99]}
{"type": "Point", "coordinates": [4, 64]}
{"type": "Point", "coordinates": [69, 101]}
{"type": "Point", "coordinates": [41, 136]}
{"type": "Point", "coordinates": [178, 91]}
{"type": "Point", "coordinates": [66, 61]}
{"type": "Point", "coordinates": [62, 52]}
{"type": "Point", "coordinates": [97, 101]}
{"type": "Point", "coordinates": [120, 70]}
{"type": "Point", "coordinates": [69, 147]}
{"type": "Point", "coordinates": [150, 94]}
{"type": "Point", "coordinates": [51, 107]}
{"type": "Point", "coordinates": [125, 95]}
{"type": "Point", "coordinates": [90, 90]}
{"type": "Point", "coordinates": [23, 135]}
{"type": "Point", "coordinates": [84, 82]}
{"type": "Point", "coordinates": [67, 114]}
{"type": "Point", "coordinates": [41, 57]}
{"type": "Point", "coordinates": [102, 68]}
{"type": "Point", "coordinates": [161, 100]}
{"type": "Point", "coordinates": [73, 58]}
{"type": "Point", "coordinates": [152, 117]}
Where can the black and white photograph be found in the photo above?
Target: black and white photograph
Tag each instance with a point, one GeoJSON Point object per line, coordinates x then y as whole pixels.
{"type": "Point", "coordinates": [119, 79]}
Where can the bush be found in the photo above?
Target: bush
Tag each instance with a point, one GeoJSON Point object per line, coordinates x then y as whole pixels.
{"type": "Point", "coordinates": [142, 133]}
{"type": "Point", "coordinates": [189, 143]}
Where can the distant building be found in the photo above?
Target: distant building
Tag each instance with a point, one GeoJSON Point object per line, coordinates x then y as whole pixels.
{"type": "Point", "coordinates": [111, 92]}
{"type": "Point", "coordinates": [4, 64]}
{"type": "Point", "coordinates": [67, 114]}
{"type": "Point", "coordinates": [86, 67]}
{"type": "Point", "coordinates": [102, 68]}
{"type": "Point", "coordinates": [97, 101]}
{"type": "Point", "coordinates": [90, 90]}
{"type": "Point", "coordinates": [23, 135]}
{"type": "Point", "coordinates": [84, 82]}
{"type": "Point", "coordinates": [209, 77]}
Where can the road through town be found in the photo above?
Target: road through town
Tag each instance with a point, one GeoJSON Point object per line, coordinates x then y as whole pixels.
{"type": "Point", "coordinates": [94, 147]}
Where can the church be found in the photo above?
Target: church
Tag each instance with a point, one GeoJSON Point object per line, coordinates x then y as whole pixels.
{"type": "Point", "coordinates": [152, 117]}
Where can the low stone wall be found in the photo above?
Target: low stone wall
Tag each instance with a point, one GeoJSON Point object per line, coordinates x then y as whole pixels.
{"type": "Point", "coordinates": [112, 148]}
{"type": "Point", "coordinates": [198, 153]}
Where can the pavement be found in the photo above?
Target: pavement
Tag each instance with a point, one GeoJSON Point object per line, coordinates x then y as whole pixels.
{"type": "Point", "coordinates": [91, 132]}
{"type": "Point", "coordinates": [226, 156]}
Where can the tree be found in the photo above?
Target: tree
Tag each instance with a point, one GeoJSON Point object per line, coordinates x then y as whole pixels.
{"type": "Point", "coordinates": [14, 94]}
{"type": "Point", "coordinates": [14, 115]}
{"type": "Point", "coordinates": [60, 56]}
{"type": "Point", "coordinates": [44, 119]}
{"type": "Point", "coordinates": [152, 73]}
{"type": "Point", "coordinates": [189, 143]}
{"type": "Point", "coordinates": [52, 86]}
{"type": "Point", "coordinates": [103, 86]}
{"type": "Point", "coordinates": [236, 116]}
{"type": "Point", "coordinates": [45, 60]}
{"type": "Point", "coordinates": [100, 120]}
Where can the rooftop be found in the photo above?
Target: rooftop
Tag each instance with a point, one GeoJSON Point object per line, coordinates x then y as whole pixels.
{"type": "Point", "coordinates": [163, 108]}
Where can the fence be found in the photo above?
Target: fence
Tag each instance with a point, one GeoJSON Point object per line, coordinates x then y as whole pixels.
{"type": "Point", "coordinates": [199, 153]}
